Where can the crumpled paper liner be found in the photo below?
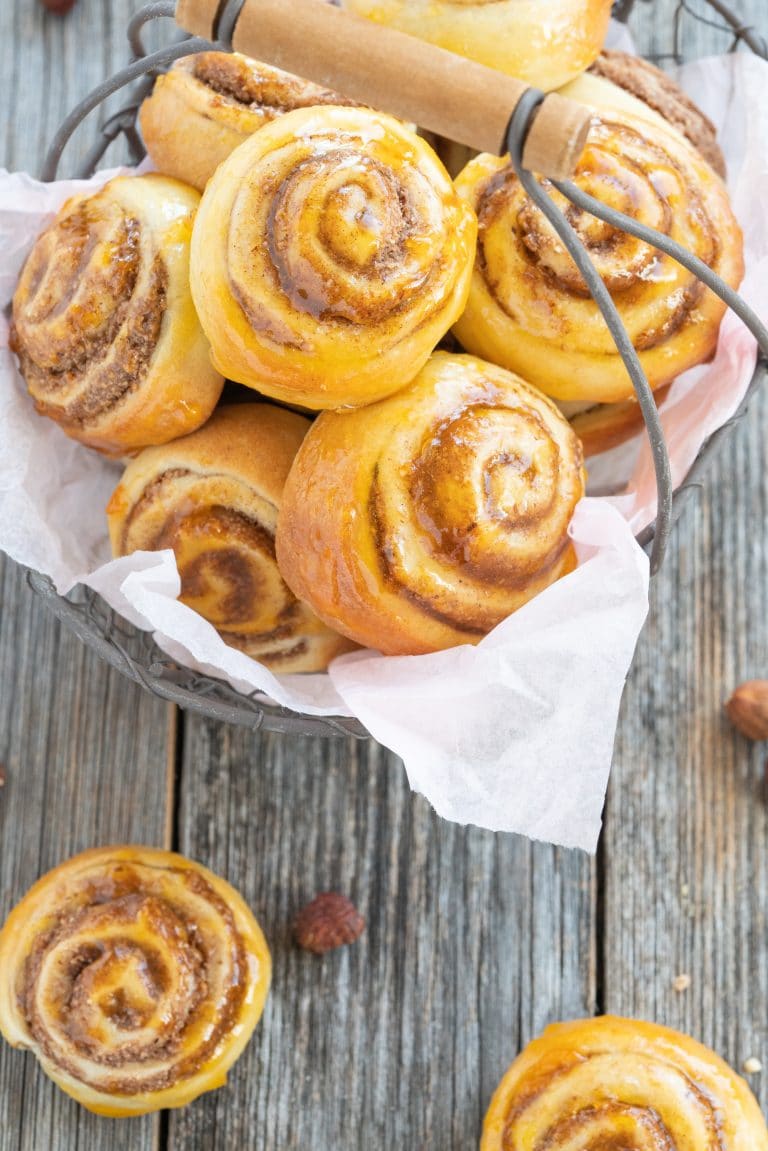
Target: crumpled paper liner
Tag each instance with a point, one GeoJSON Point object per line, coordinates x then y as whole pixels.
{"type": "Point", "coordinates": [515, 734]}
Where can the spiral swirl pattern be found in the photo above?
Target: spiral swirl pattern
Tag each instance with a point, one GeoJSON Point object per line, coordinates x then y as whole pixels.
{"type": "Point", "coordinates": [103, 321]}
{"type": "Point", "coordinates": [213, 498]}
{"type": "Point", "coordinates": [465, 484]}
{"type": "Point", "coordinates": [329, 256]}
{"type": "Point", "coordinates": [617, 1083]}
{"type": "Point", "coordinates": [208, 104]}
{"type": "Point", "coordinates": [529, 308]}
{"type": "Point", "coordinates": [543, 44]}
{"type": "Point", "coordinates": [135, 975]}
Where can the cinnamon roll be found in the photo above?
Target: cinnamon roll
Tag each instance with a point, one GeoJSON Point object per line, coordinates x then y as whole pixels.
{"type": "Point", "coordinates": [660, 93]}
{"type": "Point", "coordinates": [420, 522]}
{"type": "Point", "coordinates": [329, 256]}
{"type": "Point", "coordinates": [601, 427]}
{"type": "Point", "coordinates": [618, 1083]}
{"type": "Point", "coordinates": [201, 110]}
{"type": "Point", "coordinates": [529, 308]}
{"type": "Point", "coordinates": [213, 498]}
{"type": "Point", "coordinates": [136, 977]}
{"type": "Point", "coordinates": [104, 326]}
{"type": "Point", "coordinates": [545, 44]}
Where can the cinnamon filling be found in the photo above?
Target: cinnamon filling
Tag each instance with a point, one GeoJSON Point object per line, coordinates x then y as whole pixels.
{"type": "Point", "coordinates": [625, 265]}
{"type": "Point", "coordinates": [240, 82]}
{"type": "Point", "coordinates": [100, 369]}
{"type": "Point", "coordinates": [486, 500]}
{"type": "Point", "coordinates": [610, 1124]}
{"type": "Point", "coordinates": [391, 575]}
{"type": "Point", "coordinates": [151, 494]}
{"type": "Point", "coordinates": [142, 964]}
{"type": "Point", "coordinates": [258, 647]}
{"type": "Point", "coordinates": [359, 268]}
{"type": "Point", "coordinates": [239, 593]}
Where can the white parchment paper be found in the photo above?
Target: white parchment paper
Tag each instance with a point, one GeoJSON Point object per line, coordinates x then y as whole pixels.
{"type": "Point", "coordinates": [515, 734]}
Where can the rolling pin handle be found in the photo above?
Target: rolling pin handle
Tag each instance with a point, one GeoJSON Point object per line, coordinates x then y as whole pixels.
{"type": "Point", "coordinates": [383, 68]}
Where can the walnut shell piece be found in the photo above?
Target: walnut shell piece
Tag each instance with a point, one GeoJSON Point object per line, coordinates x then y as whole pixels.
{"type": "Point", "coordinates": [747, 709]}
{"type": "Point", "coordinates": [329, 921]}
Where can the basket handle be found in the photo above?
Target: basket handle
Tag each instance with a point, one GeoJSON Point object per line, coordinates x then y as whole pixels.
{"type": "Point", "coordinates": [387, 69]}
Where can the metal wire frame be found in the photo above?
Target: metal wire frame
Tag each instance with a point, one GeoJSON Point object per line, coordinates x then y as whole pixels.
{"type": "Point", "coordinates": [134, 653]}
{"type": "Point", "coordinates": [727, 21]}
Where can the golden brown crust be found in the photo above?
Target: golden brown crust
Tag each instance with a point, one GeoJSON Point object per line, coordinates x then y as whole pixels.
{"type": "Point", "coordinates": [618, 1083]}
{"type": "Point", "coordinates": [529, 309]}
{"type": "Point", "coordinates": [420, 522]}
{"type": "Point", "coordinates": [213, 498]}
{"type": "Point", "coordinates": [135, 975]}
{"type": "Point", "coordinates": [103, 321]}
{"type": "Point", "coordinates": [208, 104]}
{"type": "Point", "coordinates": [545, 44]}
{"type": "Point", "coordinates": [660, 92]}
{"type": "Point", "coordinates": [330, 254]}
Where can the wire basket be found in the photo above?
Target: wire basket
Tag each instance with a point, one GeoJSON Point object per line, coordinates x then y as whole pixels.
{"type": "Point", "coordinates": [134, 653]}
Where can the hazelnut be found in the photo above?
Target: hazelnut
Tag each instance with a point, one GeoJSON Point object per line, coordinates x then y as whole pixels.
{"type": "Point", "coordinates": [748, 709]}
{"type": "Point", "coordinates": [329, 921]}
{"type": "Point", "coordinates": [60, 7]}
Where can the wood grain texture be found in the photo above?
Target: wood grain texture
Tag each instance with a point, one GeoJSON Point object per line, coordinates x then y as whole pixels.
{"type": "Point", "coordinates": [85, 757]}
{"type": "Point", "coordinates": [474, 942]}
{"type": "Point", "coordinates": [85, 752]}
{"type": "Point", "coordinates": [399, 1048]}
{"type": "Point", "coordinates": [686, 839]}
{"type": "Point", "coordinates": [685, 847]}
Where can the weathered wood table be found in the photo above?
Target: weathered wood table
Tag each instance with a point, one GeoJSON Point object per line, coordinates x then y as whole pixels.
{"type": "Point", "coordinates": [475, 941]}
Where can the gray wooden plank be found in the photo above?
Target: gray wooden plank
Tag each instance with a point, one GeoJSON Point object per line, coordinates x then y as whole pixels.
{"type": "Point", "coordinates": [440, 900]}
{"type": "Point", "coordinates": [474, 943]}
{"type": "Point", "coordinates": [683, 859]}
{"type": "Point", "coordinates": [85, 752]}
{"type": "Point", "coordinates": [686, 837]}
{"type": "Point", "coordinates": [471, 891]}
{"type": "Point", "coordinates": [85, 755]}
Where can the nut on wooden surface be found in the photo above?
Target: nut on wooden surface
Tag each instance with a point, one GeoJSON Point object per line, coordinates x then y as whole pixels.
{"type": "Point", "coordinates": [329, 921]}
{"type": "Point", "coordinates": [60, 7]}
{"type": "Point", "coordinates": [748, 709]}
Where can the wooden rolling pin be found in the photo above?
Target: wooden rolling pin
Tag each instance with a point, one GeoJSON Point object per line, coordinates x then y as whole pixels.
{"type": "Point", "coordinates": [399, 74]}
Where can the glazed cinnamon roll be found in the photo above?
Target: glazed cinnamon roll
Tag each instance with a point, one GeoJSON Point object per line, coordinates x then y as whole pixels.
{"type": "Point", "coordinates": [136, 977]}
{"type": "Point", "coordinates": [201, 110]}
{"type": "Point", "coordinates": [213, 498]}
{"type": "Point", "coordinates": [420, 522]}
{"type": "Point", "coordinates": [545, 44]}
{"type": "Point", "coordinates": [617, 1083]}
{"type": "Point", "coordinates": [660, 93]}
{"type": "Point", "coordinates": [529, 308]}
{"type": "Point", "coordinates": [330, 254]}
{"type": "Point", "coordinates": [103, 321]}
